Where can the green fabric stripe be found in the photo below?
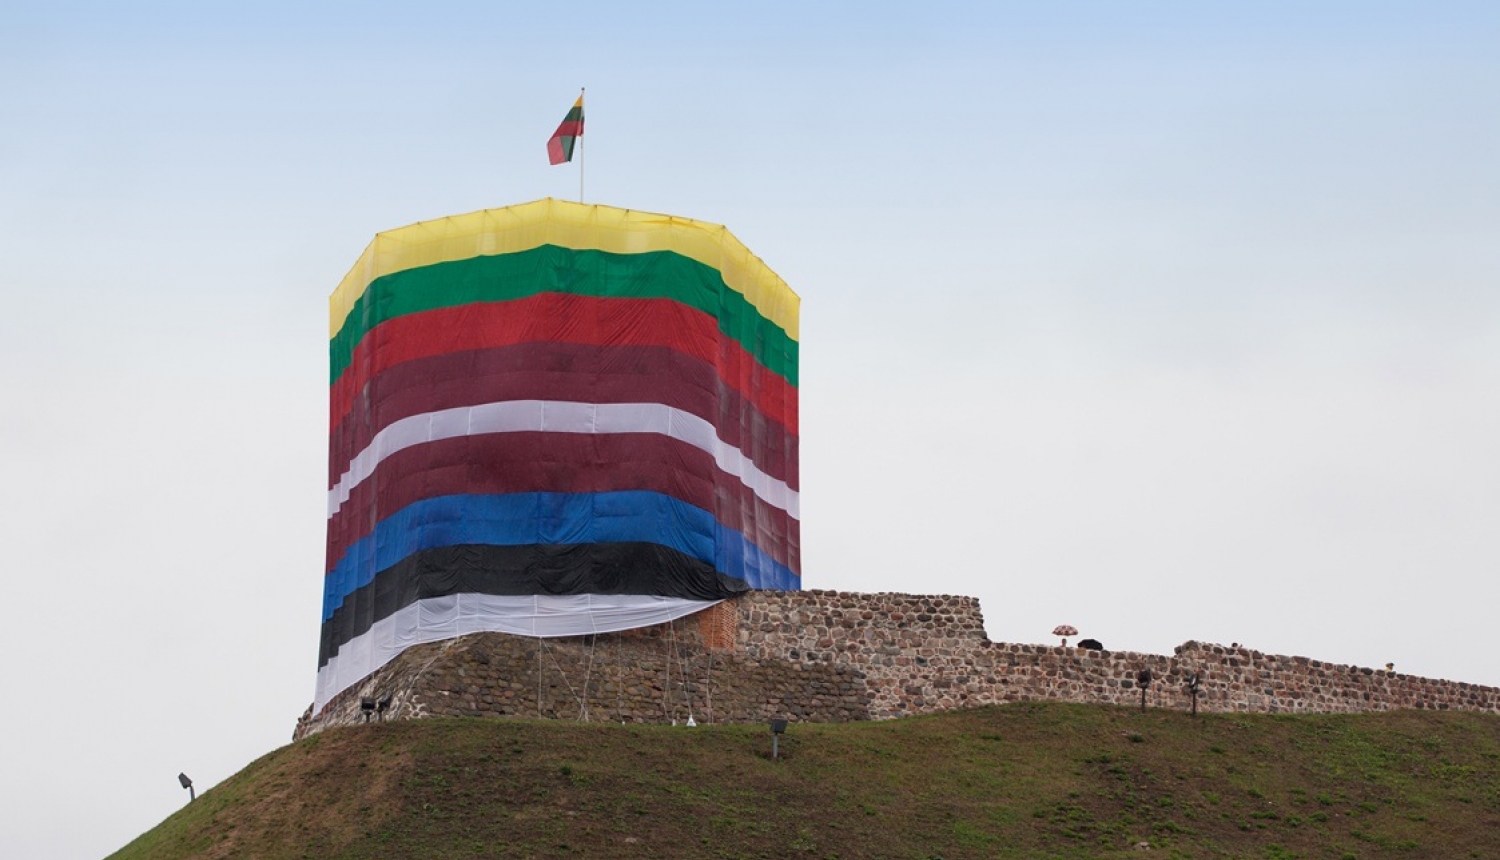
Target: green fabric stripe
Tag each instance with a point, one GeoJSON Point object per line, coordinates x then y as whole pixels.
{"type": "Point", "coordinates": [553, 269]}
{"type": "Point", "coordinates": [574, 114]}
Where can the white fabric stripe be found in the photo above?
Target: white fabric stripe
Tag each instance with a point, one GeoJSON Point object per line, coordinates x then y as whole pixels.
{"type": "Point", "coordinates": [453, 615]}
{"type": "Point", "coordinates": [562, 416]}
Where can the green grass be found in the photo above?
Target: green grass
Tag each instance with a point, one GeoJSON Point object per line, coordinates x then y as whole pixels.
{"type": "Point", "coordinates": [1020, 781]}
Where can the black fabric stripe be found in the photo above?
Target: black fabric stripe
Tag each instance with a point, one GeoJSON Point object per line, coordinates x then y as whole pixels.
{"type": "Point", "coordinates": [594, 568]}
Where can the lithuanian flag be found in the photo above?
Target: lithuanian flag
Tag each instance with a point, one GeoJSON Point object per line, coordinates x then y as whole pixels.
{"type": "Point", "coordinates": [560, 146]}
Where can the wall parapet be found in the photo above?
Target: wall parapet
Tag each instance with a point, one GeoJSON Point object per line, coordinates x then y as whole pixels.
{"type": "Point", "coordinates": [832, 656]}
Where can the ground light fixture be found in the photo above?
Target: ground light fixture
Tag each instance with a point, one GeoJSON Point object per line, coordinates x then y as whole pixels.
{"type": "Point", "coordinates": [1194, 684]}
{"type": "Point", "coordinates": [778, 728]}
{"type": "Point", "coordinates": [182, 779]}
{"type": "Point", "coordinates": [367, 707]}
{"type": "Point", "coordinates": [1143, 678]}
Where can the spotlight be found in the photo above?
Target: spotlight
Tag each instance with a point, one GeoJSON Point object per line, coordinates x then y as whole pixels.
{"type": "Point", "coordinates": [778, 728]}
{"type": "Point", "coordinates": [1144, 679]}
{"type": "Point", "coordinates": [367, 707]}
{"type": "Point", "coordinates": [182, 779]}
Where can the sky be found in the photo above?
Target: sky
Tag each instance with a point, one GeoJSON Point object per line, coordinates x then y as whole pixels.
{"type": "Point", "coordinates": [1168, 321]}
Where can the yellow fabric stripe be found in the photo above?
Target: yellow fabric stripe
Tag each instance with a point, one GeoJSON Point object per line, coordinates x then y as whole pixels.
{"type": "Point", "coordinates": [569, 225]}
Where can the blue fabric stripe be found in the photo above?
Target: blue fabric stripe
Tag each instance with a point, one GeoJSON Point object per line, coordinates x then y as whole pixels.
{"type": "Point", "coordinates": [518, 519]}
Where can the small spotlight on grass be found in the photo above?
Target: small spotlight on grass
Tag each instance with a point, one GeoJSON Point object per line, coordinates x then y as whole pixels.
{"type": "Point", "coordinates": [778, 728]}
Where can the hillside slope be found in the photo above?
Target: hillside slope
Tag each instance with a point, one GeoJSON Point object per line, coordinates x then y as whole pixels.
{"type": "Point", "coordinates": [1029, 780]}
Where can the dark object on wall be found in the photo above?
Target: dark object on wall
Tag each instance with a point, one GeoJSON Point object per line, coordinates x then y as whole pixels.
{"type": "Point", "coordinates": [1091, 644]}
{"type": "Point", "coordinates": [778, 728]}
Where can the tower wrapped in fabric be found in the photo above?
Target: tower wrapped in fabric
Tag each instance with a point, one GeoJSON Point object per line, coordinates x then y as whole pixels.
{"type": "Point", "coordinates": [553, 419]}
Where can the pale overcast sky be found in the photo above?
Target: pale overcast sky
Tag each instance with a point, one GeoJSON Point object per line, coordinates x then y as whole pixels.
{"type": "Point", "coordinates": [1166, 320]}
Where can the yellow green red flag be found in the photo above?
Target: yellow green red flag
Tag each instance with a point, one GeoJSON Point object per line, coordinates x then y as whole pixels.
{"type": "Point", "coordinates": [560, 146]}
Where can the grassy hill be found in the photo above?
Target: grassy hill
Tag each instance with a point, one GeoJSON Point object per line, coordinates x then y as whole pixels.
{"type": "Point", "coordinates": [1029, 780]}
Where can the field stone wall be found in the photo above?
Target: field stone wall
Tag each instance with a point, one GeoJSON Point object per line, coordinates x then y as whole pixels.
{"type": "Point", "coordinates": [830, 656]}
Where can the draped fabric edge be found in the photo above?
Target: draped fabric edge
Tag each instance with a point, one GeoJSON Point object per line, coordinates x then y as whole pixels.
{"type": "Point", "coordinates": [435, 619]}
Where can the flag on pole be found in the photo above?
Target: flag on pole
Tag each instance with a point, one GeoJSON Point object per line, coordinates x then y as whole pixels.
{"type": "Point", "coordinates": [560, 146]}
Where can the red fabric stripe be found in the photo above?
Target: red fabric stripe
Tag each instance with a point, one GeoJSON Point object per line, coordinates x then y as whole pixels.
{"type": "Point", "coordinates": [562, 463]}
{"type": "Point", "coordinates": [564, 371]}
{"type": "Point", "coordinates": [569, 128]}
{"type": "Point", "coordinates": [565, 318]}
{"type": "Point", "coordinates": [555, 154]}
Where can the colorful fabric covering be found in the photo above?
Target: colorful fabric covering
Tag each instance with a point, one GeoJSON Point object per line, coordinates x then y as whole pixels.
{"type": "Point", "coordinates": [560, 145]}
{"type": "Point", "coordinates": [553, 419]}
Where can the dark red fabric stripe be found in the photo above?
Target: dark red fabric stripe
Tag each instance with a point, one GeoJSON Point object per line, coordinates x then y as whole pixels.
{"type": "Point", "coordinates": [563, 318]}
{"type": "Point", "coordinates": [564, 371]}
{"type": "Point", "coordinates": [569, 128]}
{"type": "Point", "coordinates": [562, 463]}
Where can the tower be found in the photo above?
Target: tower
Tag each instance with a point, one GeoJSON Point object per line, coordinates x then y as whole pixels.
{"type": "Point", "coordinates": [553, 419]}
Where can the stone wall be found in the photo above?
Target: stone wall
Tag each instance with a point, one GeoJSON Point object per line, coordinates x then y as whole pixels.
{"type": "Point", "coordinates": [828, 656]}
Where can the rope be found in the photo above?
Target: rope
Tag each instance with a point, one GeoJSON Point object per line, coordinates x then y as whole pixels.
{"type": "Point", "coordinates": [582, 707]}
{"type": "Point", "coordinates": [583, 710]}
{"type": "Point", "coordinates": [411, 683]}
{"type": "Point", "coordinates": [619, 682]}
{"type": "Point", "coordinates": [708, 687]}
{"type": "Point", "coordinates": [682, 669]}
{"type": "Point", "coordinates": [666, 686]}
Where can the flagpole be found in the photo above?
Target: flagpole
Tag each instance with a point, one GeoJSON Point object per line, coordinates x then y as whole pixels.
{"type": "Point", "coordinates": [580, 151]}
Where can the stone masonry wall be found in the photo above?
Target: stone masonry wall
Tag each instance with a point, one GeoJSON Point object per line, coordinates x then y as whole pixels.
{"type": "Point", "coordinates": [829, 656]}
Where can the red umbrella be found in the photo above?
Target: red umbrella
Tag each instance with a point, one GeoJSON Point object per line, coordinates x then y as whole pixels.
{"type": "Point", "coordinates": [1065, 630]}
